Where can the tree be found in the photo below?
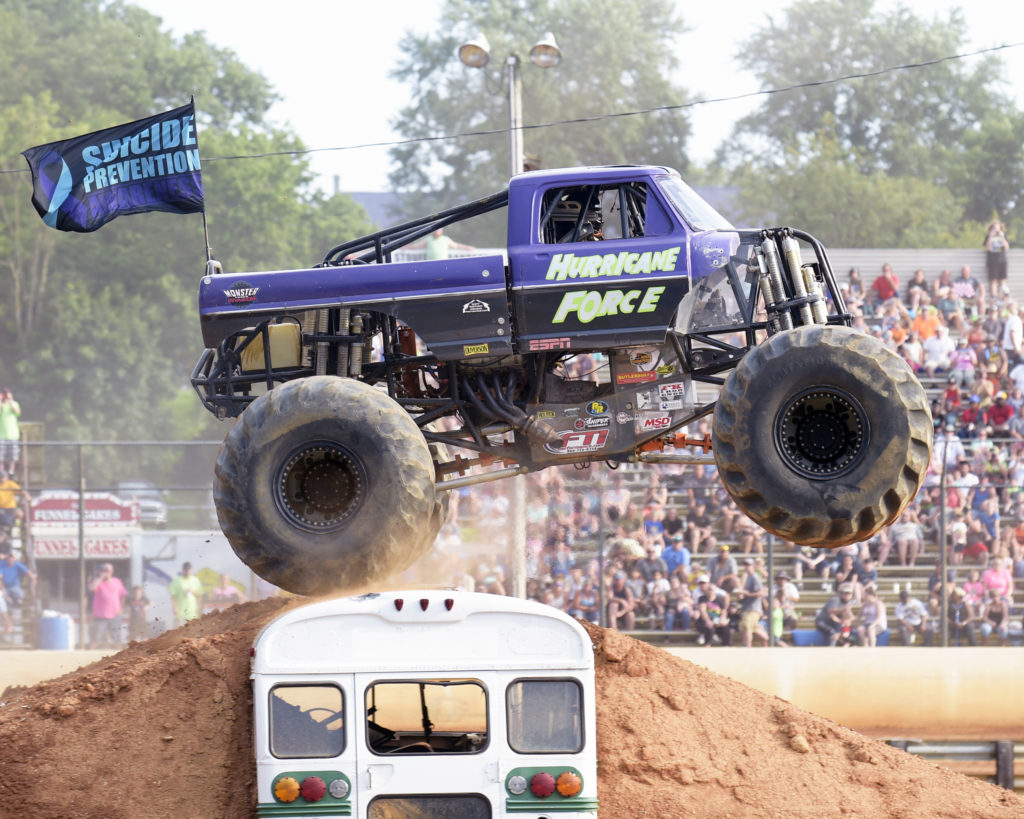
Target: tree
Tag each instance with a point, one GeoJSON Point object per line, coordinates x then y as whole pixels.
{"type": "Point", "coordinates": [597, 76]}
{"type": "Point", "coordinates": [822, 189]}
{"type": "Point", "coordinates": [943, 124]}
{"type": "Point", "coordinates": [898, 121]}
{"type": "Point", "coordinates": [100, 329]}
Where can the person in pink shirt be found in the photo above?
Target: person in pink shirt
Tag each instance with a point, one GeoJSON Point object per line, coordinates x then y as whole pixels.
{"type": "Point", "coordinates": [999, 576]}
{"type": "Point", "coordinates": [108, 594]}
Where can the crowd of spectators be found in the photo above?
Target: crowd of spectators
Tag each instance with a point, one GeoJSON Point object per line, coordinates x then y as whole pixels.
{"type": "Point", "coordinates": [680, 556]}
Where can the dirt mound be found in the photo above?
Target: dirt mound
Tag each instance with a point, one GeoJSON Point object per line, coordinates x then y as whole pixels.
{"type": "Point", "coordinates": [162, 729]}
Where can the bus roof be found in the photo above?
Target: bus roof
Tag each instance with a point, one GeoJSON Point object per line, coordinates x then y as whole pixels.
{"type": "Point", "coordinates": [435, 630]}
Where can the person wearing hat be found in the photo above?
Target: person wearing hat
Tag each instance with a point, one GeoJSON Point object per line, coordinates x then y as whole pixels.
{"type": "Point", "coordinates": [911, 618]}
{"type": "Point", "coordinates": [712, 618]}
{"type": "Point", "coordinates": [722, 568]}
{"type": "Point", "coordinates": [963, 364]}
{"type": "Point", "coordinates": [12, 572]}
{"type": "Point", "coordinates": [948, 448]}
{"type": "Point", "coordinates": [835, 618]}
{"type": "Point", "coordinates": [972, 417]}
{"type": "Point", "coordinates": [675, 556]}
{"type": "Point", "coordinates": [186, 591]}
{"type": "Point", "coordinates": [999, 415]}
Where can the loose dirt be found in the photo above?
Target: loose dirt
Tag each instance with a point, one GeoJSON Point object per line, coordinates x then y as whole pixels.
{"type": "Point", "coordinates": [162, 729]}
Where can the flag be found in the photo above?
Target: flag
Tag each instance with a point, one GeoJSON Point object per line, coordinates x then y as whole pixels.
{"type": "Point", "coordinates": [82, 183]}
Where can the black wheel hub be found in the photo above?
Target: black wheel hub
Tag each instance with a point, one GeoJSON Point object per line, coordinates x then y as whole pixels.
{"type": "Point", "coordinates": [822, 433]}
{"type": "Point", "coordinates": [320, 486]}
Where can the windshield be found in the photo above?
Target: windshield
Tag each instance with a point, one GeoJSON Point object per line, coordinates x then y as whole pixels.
{"type": "Point", "coordinates": [698, 214]}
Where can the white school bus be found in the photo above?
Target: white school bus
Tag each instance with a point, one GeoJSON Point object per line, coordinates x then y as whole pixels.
{"type": "Point", "coordinates": [431, 704]}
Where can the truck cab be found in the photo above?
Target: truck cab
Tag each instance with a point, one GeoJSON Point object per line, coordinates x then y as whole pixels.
{"type": "Point", "coordinates": [603, 256]}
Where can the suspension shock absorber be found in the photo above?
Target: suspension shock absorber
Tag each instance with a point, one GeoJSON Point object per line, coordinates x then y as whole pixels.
{"type": "Point", "coordinates": [768, 261]}
{"type": "Point", "coordinates": [344, 323]}
{"type": "Point", "coordinates": [321, 346]}
{"type": "Point", "coordinates": [814, 287]}
{"type": "Point", "coordinates": [355, 362]}
{"type": "Point", "coordinates": [791, 249]}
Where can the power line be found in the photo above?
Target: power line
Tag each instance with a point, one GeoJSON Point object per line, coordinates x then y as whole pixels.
{"type": "Point", "coordinates": [601, 117]}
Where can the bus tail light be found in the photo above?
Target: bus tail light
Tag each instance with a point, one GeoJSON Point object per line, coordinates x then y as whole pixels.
{"type": "Point", "coordinates": [569, 783]}
{"type": "Point", "coordinates": [286, 789]}
{"type": "Point", "coordinates": [399, 602]}
{"type": "Point", "coordinates": [542, 784]}
{"type": "Point", "coordinates": [313, 789]}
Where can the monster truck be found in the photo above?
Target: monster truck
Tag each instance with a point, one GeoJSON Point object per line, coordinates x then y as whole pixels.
{"type": "Point", "coordinates": [365, 389]}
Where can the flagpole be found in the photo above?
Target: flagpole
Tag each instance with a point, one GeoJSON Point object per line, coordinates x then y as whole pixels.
{"type": "Point", "coordinates": [212, 266]}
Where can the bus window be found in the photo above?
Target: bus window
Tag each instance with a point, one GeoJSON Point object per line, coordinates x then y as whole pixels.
{"type": "Point", "coordinates": [430, 807]}
{"type": "Point", "coordinates": [306, 721]}
{"type": "Point", "coordinates": [545, 716]}
{"type": "Point", "coordinates": [426, 717]}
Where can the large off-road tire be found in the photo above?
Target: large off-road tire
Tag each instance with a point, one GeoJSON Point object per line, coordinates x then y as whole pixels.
{"type": "Point", "coordinates": [325, 484]}
{"type": "Point", "coordinates": [822, 435]}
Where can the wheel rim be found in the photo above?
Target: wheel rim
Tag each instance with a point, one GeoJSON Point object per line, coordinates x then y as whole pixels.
{"type": "Point", "coordinates": [822, 433]}
{"type": "Point", "coordinates": [320, 486]}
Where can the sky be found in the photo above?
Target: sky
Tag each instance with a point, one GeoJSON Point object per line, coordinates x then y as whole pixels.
{"type": "Point", "coordinates": [329, 63]}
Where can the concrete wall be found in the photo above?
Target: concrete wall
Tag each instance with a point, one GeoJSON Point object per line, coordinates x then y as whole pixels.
{"type": "Point", "coordinates": [889, 693]}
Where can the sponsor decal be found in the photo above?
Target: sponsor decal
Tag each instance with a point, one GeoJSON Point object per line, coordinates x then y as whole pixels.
{"type": "Point", "coordinates": [591, 423]}
{"type": "Point", "coordinates": [650, 424]}
{"type": "Point", "coordinates": [571, 411]}
{"type": "Point", "coordinates": [476, 349]}
{"type": "Point", "coordinates": [639, 359]}
{"type": "Point", "coordinates": [538, 344]}
{"type": "Point", "coordinates": [94, 547]}
{"type": "Point", "coordinates": [623, 418]}
{"type": "Point", "coordinates": [576, 442]}
{"type": "Point", "coordinates": [672, 392]}
{"type": "Point", "coordinates": [241, 294]}
{"type": "Point", "coordinates": [546, 414]}
{"type": "Point", "coordinates": [597, 408]}
{"type": "Point", "coordinates": [665, 369]}
{"type": "Point", "coordinates": [476, 306]}
{"type": "Point", "coordinates": [635, 378]}
{"type": "Point", "coordinates": [714, 255]}
{"type": "Point", "coordinates": [643, 400]}
{"type": "Point", "coordinates": [570, 266]}
{"type": "Point", "coordinates": [591, 304]}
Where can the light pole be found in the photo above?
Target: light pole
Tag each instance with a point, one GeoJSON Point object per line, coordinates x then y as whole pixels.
{"type": "Point", "coordinates": [476, 53]}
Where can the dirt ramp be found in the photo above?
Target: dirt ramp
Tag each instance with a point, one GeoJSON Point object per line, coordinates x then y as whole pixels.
{"type": "Point", "coordinates": [162, 729]}
{"type": "Point", "coordinates": [675, 740]}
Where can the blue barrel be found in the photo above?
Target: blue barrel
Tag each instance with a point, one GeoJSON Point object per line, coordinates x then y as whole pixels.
{"type": "Point", "coordinates": [54, 632]}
